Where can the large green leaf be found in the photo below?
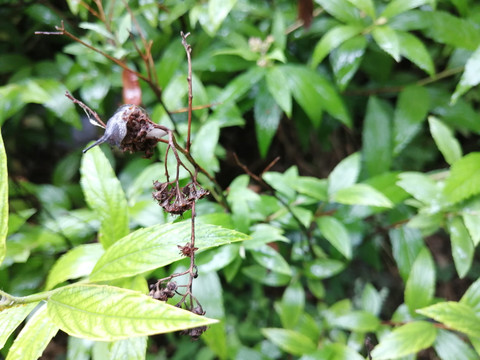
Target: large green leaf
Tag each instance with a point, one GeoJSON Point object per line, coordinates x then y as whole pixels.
{"type": "Point", "coordinates": [387, 39]}
{"type": "Point", "coordinates": [3, 200]}
{"type": "Point", "coordinates": [361, 321]}
{"type": "Point", "coordinates": [108, 313]}
{"type": "Point", "coordinates": [405, 340]}
{"type": "Point", "coordinates": [471, 297]}
{"type": "Point", "coordinates": [292, 305]}
{"type": "Point", "coordinates": [346, 59]}
{"type": "Point", "coordinates": [271, 260]}
{"type": "Point", "coordinates": [341, 9]}
{"type": "Point", "coordinates": [462, 246]}
{"type": "Point", "coordinates": [345, 174]}
{"type": "Point", "coordinates": [336, 234]}
{"type": "Point", "coordinates": [456, 316]}
{"type": "Point", "coordinates": [276, 81]}
{"type": "Point", "coordinates": [105, 195]}
{"type": "Point", "coordinates": [470, 77]}
{"type": "Point", "coordinates": [377, 138]}
{"type": "Point", "coordinates": [396, 7]}
{"type": "Point", "coordinates": [362, 194]}
{"type": "Point", "coordinates": [290, 341]}
{"type": "Point", "coordinates": [367, 6]}
{"type": "Point", "coordinates": [421, 187]}
{"type": "Point", "coordinates": [464, 179]}
{"type": "Point", "coordinates": [34, 337]}
{"type": "Point", "coordinates": [449, 345]}
{"type": "Point", "coordinates": [11, 318]}
{"type": "Point", "coordinates": [406, 245]}
{"type": "Point", "coordinates": [415, 51]}
{"type": "Point", "coordinates": [420, 286]}
{"type": "Point", "coordinates": [332, 39]}
{"type": "Point", "coordinates": [217, 12]}
{"type": "Point", "coordinates": [156, 246]}
{"type": "Point", "coordinates": [76, 263]}
{"type": "Point", "coordinates": [334, 351]}
{"type": "Point", "coordinates": [445, 140]}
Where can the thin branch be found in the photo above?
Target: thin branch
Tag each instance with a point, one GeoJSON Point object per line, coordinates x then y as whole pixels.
{"type": "Point", "coordinates": [86, 109]}
{"type": "Point", "coordinates": [188, 50]}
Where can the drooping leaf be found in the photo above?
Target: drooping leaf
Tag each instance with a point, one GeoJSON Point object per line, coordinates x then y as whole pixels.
{"type": "Point", "coordinates": [406, 243]}
{"type": "Point", "coordinates": [291, 307]}
{"type": "Point", "coordinates": [76, 263]}
{"type": "Point", "coordinates": [345, 174]}
{"type": "Point", "coordinates": [11, 318]}
{"type": "Point", "coordinates": [345, 60]}
{"type": "Point", "coordinates": [156, 246]}
{"type": "Point", "coordinates": [415, 51]}
{"type": "Point", "coordinates": [290, 341]}
{"type": "Point", "coordinates": [271, 260]}
{"type": "Point", "coordinates": [404, 340]}
{"type": "Point", "coordinates": [3, 200]}
{"type": "Point", "coordinates": [464, 179]}
{"type": "Point", "coordinates": [277, 86]}
{"type": "Point", "coordinates": [455, 315]}
{"type": "Point", "coordinates": [336, 234]}
{"type": "Point", "coordinates": [470, 77]}
{"type": "Point", "coordinates": [34, 337]}
{"type": "Point", "coordinates": [107, 313]}
{"type": "Point", "coordinates": [361, 194]}
{"type": "Point", "coordinates": [331, 40]}
{"type": "Point", "coordinates": [420, 286]}
{"type": "Point", "coordinates": [105, 195]}
{"type": "Point", "coordinates": [387, 39]}
{"type": "Point", "coordinates": [462, 246]}
{"type": "Point", "coordinates": [396, 7]}
{"type": "Point", "coordinates": [445, 140]}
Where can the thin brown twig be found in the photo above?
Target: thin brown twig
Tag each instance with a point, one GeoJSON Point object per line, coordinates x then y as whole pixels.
{"type": "Point", "coordinates": [188, 50]}
{"type": "Point", "coordinates": [85, 108]}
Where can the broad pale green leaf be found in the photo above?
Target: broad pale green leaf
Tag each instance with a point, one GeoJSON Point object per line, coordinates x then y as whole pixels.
{"type": "Point", "coordinates": [462, 246]}
{"type": "Point", "coordinates": [406, 245]}
{"type": "Point", "coordinates": [377, 138]}
{"type": "Point", "coordinates": [204, 145]}
{"type": "Point", "coordinates": [464, 179]}
{"type": "Point", "coordinates": [396, 7]}
{"type": "Point", "coordinates": [107, 313]}
{"type": "Point", "coordinates": [290, 341]}
{"type": "Point", "coordinates": [11, 318]}
{"type": "Point", "coordinates": [345, 174]}
{"type": "Point", "coordinates": [276, 81]}
{"type": "Point", "coordinates": [124, 28]}
{"type": "Point", "coordinates": [412, 108]}
{"type": "Point", "coordinates": [345, 60]}
{"type": "Point", "coordinates": [471, 218]}
{"type": "Point", "coordinates": [314, 93]}
{"type": "Point", "coordinates": [367, 6]}
{"type": "Point", "coordinates": [133, 348]}
{"type": "Point", "coordinates": [334, 351]}
{"type": "Point", "coordinates": [471, 297]}
{"type": "Point", "coordinates": [387, 39]}
{"type": "Point", "coordinates": [34, 337]}
{"type": "Point", "coordinates": [362, 194]}
{"type": "Point", "coordinates": [105, 195]}
{"type": "Point", "coordinates": [79, 349]}
{"type": "Point", "coordinates": [99, 28]}
{"type": "Point", "coordinates": [405, 340]}
{"type": "Point", "coordinates": [331, 40]}
{"type": "Point", "coordinates": [420, 186]}
{"type": "Point", "coordinates": [271, 260]}
{"type": "Point", "coordinates": [341, 10]}
{"type": "Point", "coordinates": [311, 186]}
{"type": "Point", "coordinates": [420, 286]}
{"type": "Point", "coordinates": [3, 200]}
{"type": "Point", "coordinates": [415, 51]}
{"type": "Point", "coordinates": [361, 321]}
{"type": "Point", "coordinates": [445, 140]}
{"type": "Point", "coordinates": [292, 305]}
{"type": "Point", "coordinates": [267, 117]}
{"type": "Point", "coordinates": [217, 12]}
{"type": "Point", "coordinates": [470, 77]}
{"type": "Point", "coordinates": [372, 300]}
{"type": "Point", "coordinates": [156, 246]}
{"type": "Point", "coordinates": [456, 316]}
{"type": "Point", "coordinates": [323, 268]}
{"type": "Point", "coordinates": [449, 345]}
{"type": "Point", "coordinates": [336, 234]}
{"type": "Point", "coordinates": [76, 263]}
{"type": "Point", "coordinates": [386, 183]}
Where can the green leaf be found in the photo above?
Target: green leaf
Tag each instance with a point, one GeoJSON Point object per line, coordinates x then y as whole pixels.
{"type": "Point", "coordinates": [421, 187]}
{"type": "Point", "coordinates": [331, 40]}
{"type": "Point", "coordinates": [387, 39]}
{"type": "Point", "coordinates": [336, 234]}
{"type": "Point", "coordinates": [472, 223]}
{"type": "Point", "coordinates": [276, 81]}
{"type": "Point", "coordinates": [415, 51]}
{"type": "Point", "coordinates": [464, 179]}
{"type": "Point", "coordinates": [124, 28]}
{"type": "Point", "coordinates": [445, 140]}
{"type": "Point", "coordinates": [334, 351]}
{"type": "Point", "coordinates": [462, 246]}
{"type": "Point", "coordinates": [345, 60]}
{"type": "Point", "coordinates": [133, 348]}
{"type": "Point", "coordinates": [3, 200]}
{"type": "Point", "coordinates": [405, 340]}
{"type": "Point", "coordinates": [449, 345]}
{"type": "Point", "coordinates": [271, 260]}
{"type": "Point", "coordinates": [11, 318]}
{"type": "Point", "coordinates": [367, 6]}
{"type": "Point", "coordinates": [345, 174]}
{"type": "Point", "coordinates": [361, 321]}
{"type": "Point", "coordinates": [323, 268]}
{"type": "Point", "coordinates": [267, 117]}
{"type": "Point", "coordinates": [341, 9]}
{"type": "Point", "coordinates": [105, 195]}
{"type": "Point", "coordinates": [204, 145]}
{"type": "Point", "coordinates": [377, 143]}
{"type": "Point", "coordinates": [396, 7]}
{"type": "Point", "coordinates": [314, 93]}
{"type": "Point", "coordinates": [420, 286]}
{"type": "Point", "coordinates": [107, 313]}
{"type": "Point", "coordinates": [470, 77]}
{"type": "Point", "coordinates": [239, 86]}
{"type": "Point", "coordinates": [290, 341]}
{"type": "Point", "coordinates": [311, 186]}
{"type": "Point", "coordinates": [34, 337]}
{"type": "Point", "coordinates": [362, 194]}
{"type": "Point", "coordinates": [76, 263]}
{"type": "Point", "coordinates": [292, 305]}
{"type": "Point", "coordinates": [156, 246]}
{"type": "Point", "coordinates": [412, 108]}
{"type": "Point", "coordinates": [406, 245]}
{"type": "Point", "coordinates": [471, 297]}
{"type": "Point", "coordinates": [456, 316]}
{"type": "Point", "coordinates": [218, 10]}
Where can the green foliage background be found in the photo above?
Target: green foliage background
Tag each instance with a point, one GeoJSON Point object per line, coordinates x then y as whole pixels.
{"type": "Point", "coordinates": [359, 236]}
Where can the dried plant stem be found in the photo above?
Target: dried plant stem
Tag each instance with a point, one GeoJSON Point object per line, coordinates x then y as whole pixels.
{"type": "Point", "coordinates": [188, 50]}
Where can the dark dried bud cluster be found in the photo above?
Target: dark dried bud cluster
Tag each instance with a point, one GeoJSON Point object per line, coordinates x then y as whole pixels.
{"type": "Point", "coordinates": [187, 250]}
{"type": "Point", "coordinates": [163, 294]}
{"type": "Point", "coordinates": [195, 333]}
{"type": "Point", "coordinates": [175, 200]}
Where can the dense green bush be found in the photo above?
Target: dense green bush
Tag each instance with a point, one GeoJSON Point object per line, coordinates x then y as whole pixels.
{"type": "Point", "coordinates": [358, 242]}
